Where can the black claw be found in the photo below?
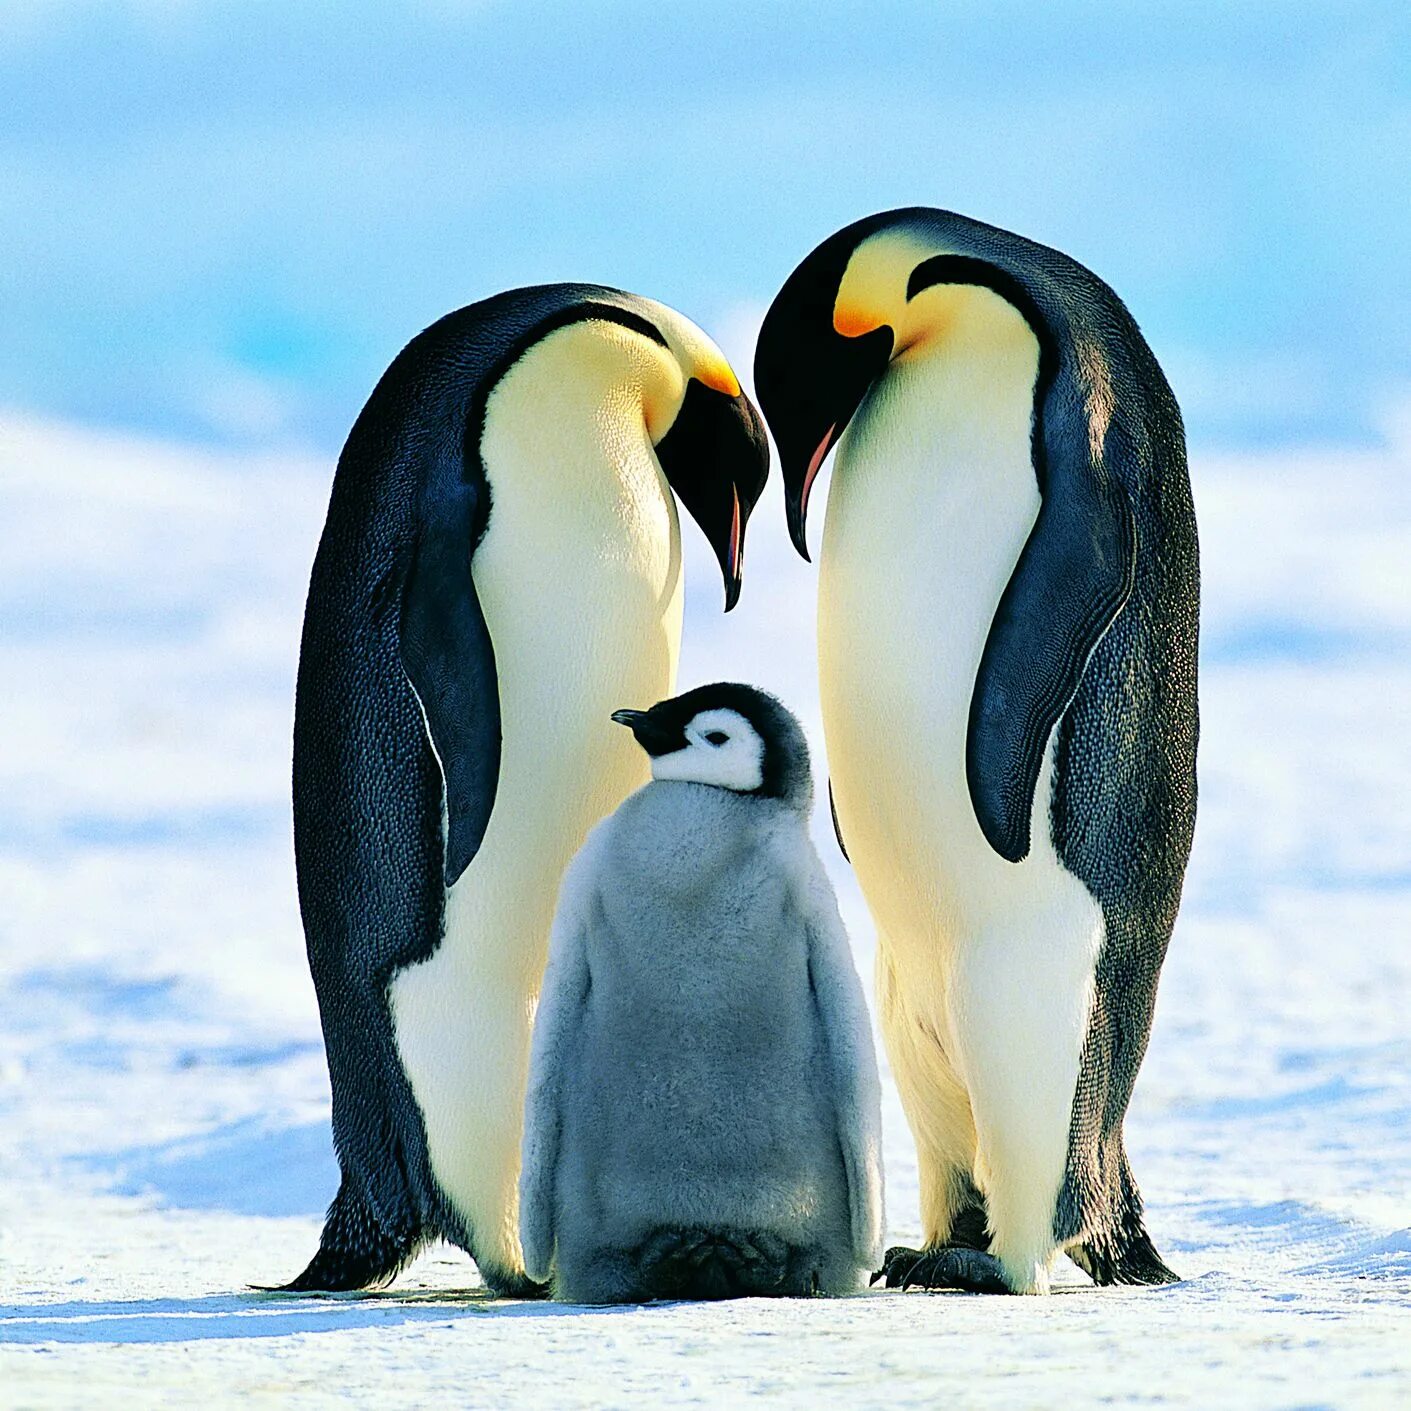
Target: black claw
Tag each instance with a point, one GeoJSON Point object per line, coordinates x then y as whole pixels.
{"type": "Point", "coordinates": [948, 1267]}
{"type": "Point", "coordinates": [897, 1265]}
{"type": "Point", "coordinates": [974, 1271]}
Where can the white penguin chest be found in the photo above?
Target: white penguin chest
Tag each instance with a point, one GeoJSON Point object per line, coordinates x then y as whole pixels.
{"type": "Point", "coordinates": [932, 499]}
{"type": "Point", "coordinates": [579, 578]}
{"type": "Point", "coordinates": [985, 967]}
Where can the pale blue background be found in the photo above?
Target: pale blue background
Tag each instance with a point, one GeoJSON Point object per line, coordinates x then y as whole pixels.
{"type": "Point", "coordinates": [222, 219]}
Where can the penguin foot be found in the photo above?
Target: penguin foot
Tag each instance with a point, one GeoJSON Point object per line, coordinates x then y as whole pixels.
{"type": "Point", "coordinates": [507, 1283]}
{"type": "Point", "coordinates": [949, 1267]}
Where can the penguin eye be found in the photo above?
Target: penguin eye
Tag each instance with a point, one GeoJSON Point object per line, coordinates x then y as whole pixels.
{"type": "Point", "coordinates": [717, 737]}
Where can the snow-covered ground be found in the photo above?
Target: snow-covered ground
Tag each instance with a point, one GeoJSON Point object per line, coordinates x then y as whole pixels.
{"type": "Point", "coordinates": [163, 1102]}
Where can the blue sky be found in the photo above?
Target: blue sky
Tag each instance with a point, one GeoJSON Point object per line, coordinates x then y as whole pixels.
{"type": "Point", "coordinates": [221, 220]}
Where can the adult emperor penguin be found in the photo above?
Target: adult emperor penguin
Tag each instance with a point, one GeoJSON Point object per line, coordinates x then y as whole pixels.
{"type": "Point", "coordinates": [704, 1113]}
{"type": "Point", "coordinates": [1008, 601]}
{"type": "Point", "coordinates": [500, 567]}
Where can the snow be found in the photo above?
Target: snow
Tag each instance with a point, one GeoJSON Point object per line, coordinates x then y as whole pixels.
{"type": "Point", "coordinates": [163, 1102]}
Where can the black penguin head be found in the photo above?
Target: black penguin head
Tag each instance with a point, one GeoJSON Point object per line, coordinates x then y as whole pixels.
{"type": "Point", "coordinates": [727, 735]}
{"type": "Point", "coordinates": [842, 316]}
{"type": "Point", "coordinates": [716, 458]}
{"type": "Point", "coordinates": [709, 440]}
{"type": "Point", "coordinates": [812, 371]}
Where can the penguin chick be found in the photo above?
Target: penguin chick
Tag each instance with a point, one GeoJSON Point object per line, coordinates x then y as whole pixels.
{"type": "Point", "coordinates": [704, 1111]}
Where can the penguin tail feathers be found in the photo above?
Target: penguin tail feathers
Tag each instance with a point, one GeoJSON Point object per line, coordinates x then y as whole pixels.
{"type": "Point", "coordinates": [1110, 1245]}
{"type": "Point", "coordinates": [355, 1251]}
{"type": "Point", "coordinates": [711, 1264]}
{"type": "Point", "coordinates": [1122, 1256]}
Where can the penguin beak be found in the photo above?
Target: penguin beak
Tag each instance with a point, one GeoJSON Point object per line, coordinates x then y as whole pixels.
{"type": "Point", "coordinates": [651, 733]}
{"type": "Point", "coordinates": [810, 385]}
{"type": "Point", "coordinates": [716, 459]}
{"type": "Point", "coordinates": [811, 375]}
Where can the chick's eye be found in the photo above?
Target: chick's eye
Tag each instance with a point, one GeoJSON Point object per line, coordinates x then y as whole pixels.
{"type": "Point", "coordinates": [717, 737]}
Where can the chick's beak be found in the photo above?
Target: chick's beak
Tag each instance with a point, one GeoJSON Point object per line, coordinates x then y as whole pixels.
{"type": "Point", "coordinates": [654, 734]}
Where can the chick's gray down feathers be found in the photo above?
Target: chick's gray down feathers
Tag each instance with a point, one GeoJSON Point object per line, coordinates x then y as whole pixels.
{"type": "Point", "coordinates": [703, 1085]}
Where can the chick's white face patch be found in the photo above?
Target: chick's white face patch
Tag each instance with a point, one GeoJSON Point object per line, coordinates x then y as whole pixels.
{"type": "Point", "coordinates": [722, 748]}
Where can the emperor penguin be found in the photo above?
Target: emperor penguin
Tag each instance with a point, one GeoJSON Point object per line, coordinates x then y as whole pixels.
{"type": "Point", "coordinates": [500, 567]}
{"type": "Point", "coordinates": [1007, 619]}
{"type": "Point", "coordinates": [703, 1118]}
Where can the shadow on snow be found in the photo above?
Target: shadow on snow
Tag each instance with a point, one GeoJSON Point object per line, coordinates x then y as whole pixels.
{"type": "Point", "coordinates": [256, 1315]}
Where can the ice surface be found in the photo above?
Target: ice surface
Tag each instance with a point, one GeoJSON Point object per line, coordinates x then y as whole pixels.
{"type": "Point", "coordinates": [163, 1101]}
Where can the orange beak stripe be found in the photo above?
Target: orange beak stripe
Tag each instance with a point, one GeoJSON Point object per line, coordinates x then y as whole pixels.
{"type": "Point", "coordinates": [734, 552]}
{"type": "Point", "coordinates": [815, 461]}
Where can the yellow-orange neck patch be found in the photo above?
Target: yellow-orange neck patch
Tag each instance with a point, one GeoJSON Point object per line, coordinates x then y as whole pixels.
{"type": "Point", "coordinates": [853, 322]}
{"type": "Point", "coordinates": [719, 378]}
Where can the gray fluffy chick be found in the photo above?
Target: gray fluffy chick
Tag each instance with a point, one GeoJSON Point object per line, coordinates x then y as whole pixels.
{"type": "Point", "coordinates": [704, 1112]}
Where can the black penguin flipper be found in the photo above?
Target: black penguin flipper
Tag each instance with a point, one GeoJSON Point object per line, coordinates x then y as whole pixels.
{"type": "Point", "coordinates": [450, 661]}
{"type": "Point", "coordinates": [1077, 568]}
{"type": "Point", "coordinates": [1072, 579]}
{"type": "Point", "coordinates": [446, 649]}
